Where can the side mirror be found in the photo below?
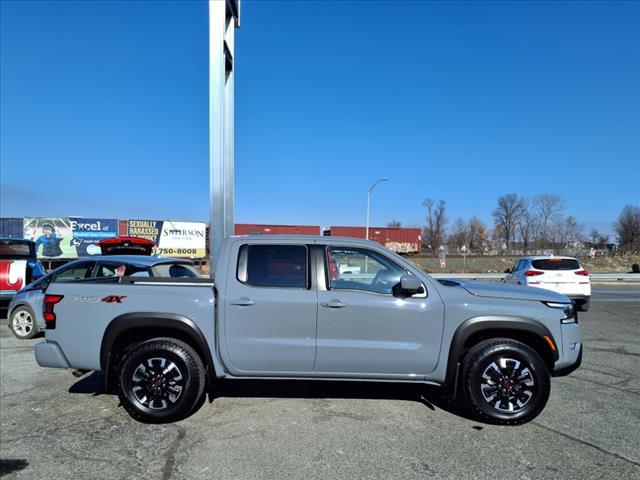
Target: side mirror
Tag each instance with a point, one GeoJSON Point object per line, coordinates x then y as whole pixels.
{"type": "Point", "coordinates": [508, 270]}
{"type": "Point", "coordinates": [410, 285]}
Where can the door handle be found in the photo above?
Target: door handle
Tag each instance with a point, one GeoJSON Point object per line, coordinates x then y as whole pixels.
{"type": "Point", "coordinates": [243, 302]}
{"type": "Point", "coordinates": [333, 304]}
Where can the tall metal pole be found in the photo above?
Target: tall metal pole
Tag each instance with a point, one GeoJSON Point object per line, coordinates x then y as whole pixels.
{"type": "Point", "coordinates": [223, 19]}
{"type": "Point", "coordinates": [369, 190]}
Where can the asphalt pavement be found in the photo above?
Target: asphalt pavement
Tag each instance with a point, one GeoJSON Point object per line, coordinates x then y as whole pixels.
{"type": "Point", "coordinates": [55, 426]}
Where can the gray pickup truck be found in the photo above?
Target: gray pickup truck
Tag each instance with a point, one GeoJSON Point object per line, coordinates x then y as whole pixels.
{"type": "Point", "coordinates": [296, 307]}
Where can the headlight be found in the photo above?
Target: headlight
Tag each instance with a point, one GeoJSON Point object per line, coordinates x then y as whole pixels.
{"type": "Point", "coordinates": [568, 309]}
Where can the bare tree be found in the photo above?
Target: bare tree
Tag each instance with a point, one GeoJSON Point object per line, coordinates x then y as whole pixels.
{"type": "Point", "coordinates": [506, 215]}
{"type": "Point", "coordinates": [526, 223]}
{"type": "Point", "coordinates": [394, 224]}
{"type": "Point", "coordinates": [548, 208]}
{"type": "Point", "coordinates": [436, 221]}
{"type": "Point", "coordinates": [628, 228]}
{"type": "Point", "coordinates": [459, 234]}
{"type": "Point", "coordinates": [568, 231]}
{"type": "Point", "coordinates": [594, 237]}
{"type": "Point", "coordinates": [477, 234]}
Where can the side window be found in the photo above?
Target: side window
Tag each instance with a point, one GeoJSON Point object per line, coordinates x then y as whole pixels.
{"type": "Point", "coordinates": [273, 266]}
{"type": "Point", "coordinates": [118, 270]}
{"type": "Point", "coordinates": [361, 269]}
{"type": "Point", "coordinates": [76, 272]}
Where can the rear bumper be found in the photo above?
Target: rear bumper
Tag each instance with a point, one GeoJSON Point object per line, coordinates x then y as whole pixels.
{"type": "Point", "coordinates": [49, 354]}
{"type": "Point", "coordinates": [580, 299]}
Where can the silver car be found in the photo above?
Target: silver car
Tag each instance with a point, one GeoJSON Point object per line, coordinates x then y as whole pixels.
{"type": "Point", "coordinates": [25, 310]}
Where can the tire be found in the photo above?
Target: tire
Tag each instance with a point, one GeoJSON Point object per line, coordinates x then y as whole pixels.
{"type": "Point", "coordinates": [23, 323]}
{"type": "Point", "coordinates": [584, 307]}
{"type": "Point", "coordinates": [161, 380]}
{"type": "Point", "coordinates": [509, 372]}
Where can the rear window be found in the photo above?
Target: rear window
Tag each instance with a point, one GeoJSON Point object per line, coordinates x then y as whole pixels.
{"type": "Point", "coordinates": [556, 264]}
{"type": "Point", "coordinates": [273, 266]}
{"type": "Point", "coordinates": [118, 270]}
{"type": "Point", "coordinates": [174, 270]}
{"type": "Point", "coordinates": [14, 250]}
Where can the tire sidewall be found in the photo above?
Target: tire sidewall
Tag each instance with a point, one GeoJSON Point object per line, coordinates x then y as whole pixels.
{"type": "Point", "coordinates": [517, 351]}
{"type": "Point", "coordinates": [186, 364]}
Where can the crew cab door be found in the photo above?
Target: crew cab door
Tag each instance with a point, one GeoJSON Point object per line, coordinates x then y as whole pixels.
{"type": "Point", "coordinates": [269, 310]}
{"type": "Point", "coordinates": [363, 328]}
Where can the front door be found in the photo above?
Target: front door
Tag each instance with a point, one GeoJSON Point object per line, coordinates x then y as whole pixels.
{"type": "Point", "coordinates": [270, 310]}
{"type": "Point", "coordinates": [364, 328]}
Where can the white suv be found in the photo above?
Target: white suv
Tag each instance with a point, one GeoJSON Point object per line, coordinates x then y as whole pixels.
{"type": "Point", "coordinates": [560, 274]}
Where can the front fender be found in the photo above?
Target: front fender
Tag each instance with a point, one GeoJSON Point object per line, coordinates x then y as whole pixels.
{"type": "Point", "coordinates": [501, 325]}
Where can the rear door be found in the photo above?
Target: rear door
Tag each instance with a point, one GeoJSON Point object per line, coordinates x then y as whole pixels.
{"type": "Point", "coordinates": [363, 328]}
{"type": "Point", "coordinates": [558, 274]}
{"type": "Point", "coordinates": [270, 309]}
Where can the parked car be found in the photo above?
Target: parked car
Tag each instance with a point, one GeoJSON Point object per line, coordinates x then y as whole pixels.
{"type": "Point", "coordinates": [279, 310]}
{"type": "Point", "coordinates": [559, 274]}
{"type": "Point", "coordinates": [19, 266]}
{"type": "Point", "coordinates": [25, 309]}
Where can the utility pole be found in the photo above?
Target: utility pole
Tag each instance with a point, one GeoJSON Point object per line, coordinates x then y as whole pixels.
{"type": "Point", "coordinates": [224, 18]}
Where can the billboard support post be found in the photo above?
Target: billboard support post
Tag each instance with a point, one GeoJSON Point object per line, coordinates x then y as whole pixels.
{"type": "Point", "coordinates": [224, 18]}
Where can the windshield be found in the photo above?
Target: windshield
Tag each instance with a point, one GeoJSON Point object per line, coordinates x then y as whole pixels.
{"type": "Point", "coordinates": [9, 249]}
{"type": "Point", "coordinates": [174, 270]}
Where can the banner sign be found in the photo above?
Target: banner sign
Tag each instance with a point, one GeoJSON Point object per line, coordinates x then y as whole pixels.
{"type": "Point", "coordinates": [52, 235]}
{"type": "Point", "coordinates": [75, 237]}
{"type": "Point", "coordinates": [87, 232]}
{"type": "Point", "coordinates": [172, 239]}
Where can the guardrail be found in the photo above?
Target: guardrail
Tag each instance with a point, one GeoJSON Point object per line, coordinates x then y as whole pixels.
{"type": "Point", "coordinates": [595, 277]}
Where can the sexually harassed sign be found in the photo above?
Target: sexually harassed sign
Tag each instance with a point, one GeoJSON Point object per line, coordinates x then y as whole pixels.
{"type": "Point", "coordinates": [57, 237]}
{"type": "Point", "coordinates": [172, 239]}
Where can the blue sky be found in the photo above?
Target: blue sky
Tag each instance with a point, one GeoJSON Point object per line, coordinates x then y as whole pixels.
{"type": "Point", "coordinates": [104, 108]}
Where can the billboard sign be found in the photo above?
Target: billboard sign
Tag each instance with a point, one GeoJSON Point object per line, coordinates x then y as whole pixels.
{"type": "Point", "coordinates": [74, 237]}
{"type": "Point", "coordinates": [53, 236]}
{"type": "Point", "coordinates": [87, 232]}
{"type": "Point", "coordinates": [172, 239]}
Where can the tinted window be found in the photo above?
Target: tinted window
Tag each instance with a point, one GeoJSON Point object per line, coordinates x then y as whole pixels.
{"type": "Point", "coordinates": [556, 264]}
{"type": "Point", "coordinates": [175, 271]}
{"type": "Point", "coordinates": [274, 265]}
{"type": "Point", "coordinates": [10, 249]}
{"type": "Point", "coordinates": [75, 272]}
{"type": "Point", "coordinates": [117, 270]}
{"type": "Point", "coordinates": [360, 269]}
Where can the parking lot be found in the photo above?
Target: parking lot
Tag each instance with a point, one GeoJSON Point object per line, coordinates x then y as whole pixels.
{"type": "Point", "coordinates": [54, 425]}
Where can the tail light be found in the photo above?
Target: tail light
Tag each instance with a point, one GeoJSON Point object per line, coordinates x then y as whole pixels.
{"type": "Point", "coordinates": [47, 310]}
{"type": "Point", "coordinates": [584, 273]}
{"type": "Point", "coordinates": [533, 273]}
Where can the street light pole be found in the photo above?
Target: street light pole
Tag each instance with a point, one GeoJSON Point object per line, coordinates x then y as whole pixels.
{"type": "Point", "coordinates": [369, 190]}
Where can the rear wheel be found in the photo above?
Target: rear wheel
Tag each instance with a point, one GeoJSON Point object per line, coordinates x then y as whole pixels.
{"type": "Point", "coordinates": [583, 306]}
{"type": "Point", "coordinates": [505, 381]}
{"type": "Point", "coordinates": [161, 380]}
{"type": "Point", "coordinates": [23, 323]}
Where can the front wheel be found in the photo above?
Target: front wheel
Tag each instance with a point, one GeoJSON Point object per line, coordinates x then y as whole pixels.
{"type": "Point", "coordinates": [22, 323]}
{"type": "Point", "coordinates": [505, 381]}
{"type": "Point", "coordinates": [161, 380]}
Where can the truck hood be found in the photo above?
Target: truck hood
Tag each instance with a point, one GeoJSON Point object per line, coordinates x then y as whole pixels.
{"type": "Point", "coordinates": [512, 292]}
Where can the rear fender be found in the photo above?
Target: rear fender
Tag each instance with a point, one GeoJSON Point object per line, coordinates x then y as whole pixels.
{"type": "Point", "coordinates": [154, 323]}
